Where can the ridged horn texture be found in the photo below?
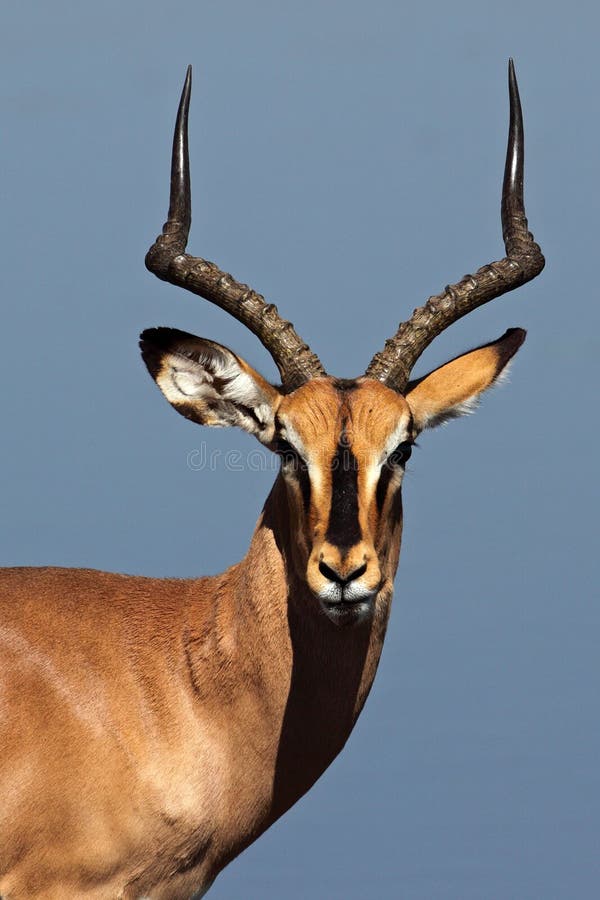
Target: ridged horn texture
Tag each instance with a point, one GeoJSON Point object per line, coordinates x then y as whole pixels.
{"type": "Point", "coordinates": [167, 259]}
{"type": "Point", "coordinates": [523, 261]}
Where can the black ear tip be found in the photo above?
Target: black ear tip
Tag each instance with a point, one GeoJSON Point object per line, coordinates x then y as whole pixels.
{"type": "Point", "coordinates": [510, 341]}
{"type": "Point", "coordinates": [154, 343]}
{"type": "Point", "coordinates": [151, 354]}
{"type": "Point", "coordinates": [516, 336]}
{"type": "Point", "coordinates": [145, 340]}
{"type": "Point", "coordinates": [160, 337]}
{"type": "Point", "coordinates": [507, 345]}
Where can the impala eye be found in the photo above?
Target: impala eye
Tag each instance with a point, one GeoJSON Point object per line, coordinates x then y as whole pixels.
{"type": "Point", "coordinates": [288, 454]}
{"type": "Point", "coordinates": [401, 454]}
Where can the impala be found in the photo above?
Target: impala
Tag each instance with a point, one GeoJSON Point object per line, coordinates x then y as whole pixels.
{"type": "Point", "coordinates": [152, 728]}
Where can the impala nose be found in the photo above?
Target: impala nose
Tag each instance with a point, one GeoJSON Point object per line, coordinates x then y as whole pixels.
{"type": "Point", "coordinates": [345, 581]}
{"type": "Point", "coordinates": [337, 577]}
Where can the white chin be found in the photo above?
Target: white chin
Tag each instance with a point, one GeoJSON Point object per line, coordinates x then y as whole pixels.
{"type": "Point", "coordinates": [347, 605]}
{"type": "Point", "coordinates": [331, 593]}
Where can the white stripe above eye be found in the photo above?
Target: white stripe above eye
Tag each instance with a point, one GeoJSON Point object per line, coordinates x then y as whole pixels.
{"type": "Point", "coordinates": [398, 436]}
{"type": "Point", "coordinates": [290, 434]}
{"type": "Point", "coordinates": [372, 471]}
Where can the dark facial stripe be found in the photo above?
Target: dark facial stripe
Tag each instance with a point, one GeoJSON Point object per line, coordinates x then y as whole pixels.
{"type": "Point", "coordinates": [343, 530]}
{"type": "Point", "coordinates": [292, 464]}
{"type": "Point", "coordinates": [304, 481]}
{"type": "Point", "coordinates": [382, 486]}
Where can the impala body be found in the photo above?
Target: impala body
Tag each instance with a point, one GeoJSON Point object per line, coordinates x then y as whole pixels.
{"type": "Point", "coordinates": [151, 729]}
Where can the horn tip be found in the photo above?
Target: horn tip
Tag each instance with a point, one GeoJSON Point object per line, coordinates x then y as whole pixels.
{"type": "Point", "coordinates": [187, 88]}
{"type": "Point", "coordinates": [512, 79]}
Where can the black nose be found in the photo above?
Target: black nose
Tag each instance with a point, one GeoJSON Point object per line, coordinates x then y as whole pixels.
{"type": "Point", "coordinates": [332, 575]}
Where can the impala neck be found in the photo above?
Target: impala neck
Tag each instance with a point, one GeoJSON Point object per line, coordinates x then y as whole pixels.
{"type": "Point", "coordinates": [319, 673]}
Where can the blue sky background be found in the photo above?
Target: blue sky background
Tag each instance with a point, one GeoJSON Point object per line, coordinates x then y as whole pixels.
{"type": "Point", "coordinates": [346, 161]}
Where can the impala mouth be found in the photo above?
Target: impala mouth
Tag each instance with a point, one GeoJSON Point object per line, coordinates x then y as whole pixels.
{"type": "Point", "coordinates": [347, 604]}
{"type": "Point", "coordinates": [349, 612]}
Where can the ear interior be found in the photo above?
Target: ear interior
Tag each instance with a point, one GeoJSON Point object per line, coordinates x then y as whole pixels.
{"type": "Point", "coordinates": [454, 389]}
{"type": "Point", "coordinates": [207, 383]}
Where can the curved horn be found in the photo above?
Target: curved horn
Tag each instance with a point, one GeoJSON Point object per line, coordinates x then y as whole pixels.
{"type": "Point", "coordinates": [523, 261]}
{"type": "Point", "coordinates": [167, 259]}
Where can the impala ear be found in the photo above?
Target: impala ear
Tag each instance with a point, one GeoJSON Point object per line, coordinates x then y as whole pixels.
{"type": "Point", "coordinates": [455, 388]}
{"type": "Point", "coordinates": [209, 384]}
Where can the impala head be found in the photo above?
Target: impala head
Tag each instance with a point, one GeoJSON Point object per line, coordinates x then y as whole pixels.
{"type": "Point", "coordinates": [343, 444]}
